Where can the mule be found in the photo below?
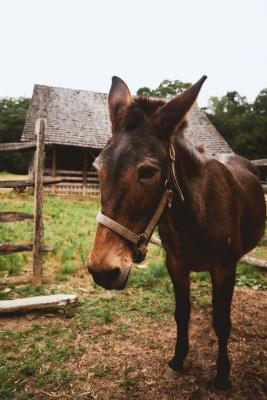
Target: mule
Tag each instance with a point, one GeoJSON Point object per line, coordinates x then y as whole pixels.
{"type": "Point", "coordinates": [210, 211]}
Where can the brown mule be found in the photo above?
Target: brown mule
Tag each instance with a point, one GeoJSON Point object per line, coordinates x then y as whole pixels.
{"type": "Point", "coordinates": [217, 218]}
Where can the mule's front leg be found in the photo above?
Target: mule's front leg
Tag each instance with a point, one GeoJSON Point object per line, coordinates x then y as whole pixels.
{"type": "Point", "coordinates": [182, 315]}
{"type": "Point", "coordinates": [222, 287]}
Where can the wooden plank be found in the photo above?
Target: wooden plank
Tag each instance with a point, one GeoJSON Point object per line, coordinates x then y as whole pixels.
{"type": "Point", "coordinates": [54, 162]}
{"type": "Point", "coordinates": [258, 262]}
{"type": "Point", "coordinates": [78, 179]}
{"type": "Point", "coordinates": [155, 240]}
{"type": "Point", "coordinates": [260, 163]}
{"type": "Point", "coordinates": [17, 146]}
{"type": "Point", "coordinates": [85, 165]}
{"type": "Point", "coordinates": [31, 168]}
{"type": "Point", "coordinates": [26, 183]}
{"type": "Point", "coordinates": [6, 216]}
{"type": "Point", "coordinates": [70, 172]}
{"type": "Point", "coordinates": [54, 165]}
{"type": "Point", "coordinates": [40, 128]}
{"type": "Point", "coordinates": [15, 280]}
{"type": "Point", "coordinates": [37, 302]}
{"type": "Point", "coordinates": [8, 248]}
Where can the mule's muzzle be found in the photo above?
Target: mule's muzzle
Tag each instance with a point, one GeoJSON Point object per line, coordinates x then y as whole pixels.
{"type": "Point", "coordinates": [110, 279]}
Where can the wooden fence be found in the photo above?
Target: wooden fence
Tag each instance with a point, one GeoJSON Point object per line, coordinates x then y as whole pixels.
{"type": "Point", "coordinates": [73, 183]}
{"type": "Point", "coordinates": [37, 247]}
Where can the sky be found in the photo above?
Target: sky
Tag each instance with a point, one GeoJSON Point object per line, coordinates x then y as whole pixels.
{"type": "Point", "coordinates": [81, 44]}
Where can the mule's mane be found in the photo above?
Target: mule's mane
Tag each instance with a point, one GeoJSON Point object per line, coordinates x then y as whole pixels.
{"type": "Point", "coordinates": [141, 109]}
{"type": "Point", "coordinates": [146, 104]}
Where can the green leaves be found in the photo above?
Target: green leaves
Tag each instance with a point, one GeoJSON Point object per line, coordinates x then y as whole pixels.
{"type": "Point", "coordinates": [242, 124]}
{"type": "Point", "coordinates": [167, 89]}
{"type": "Point", "coordinates": [12, 119]}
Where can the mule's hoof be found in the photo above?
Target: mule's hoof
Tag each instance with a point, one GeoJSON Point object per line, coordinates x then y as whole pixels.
{"type": "Point", "coordinates": [171, 374]}
{"type": "Point", "coordinates": [176, 365]}
{"type": "Point", "coordinates": [222, 383]}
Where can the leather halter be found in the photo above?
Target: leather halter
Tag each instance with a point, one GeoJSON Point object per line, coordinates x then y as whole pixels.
{"type": "Point", "coordinates": [140, 241]}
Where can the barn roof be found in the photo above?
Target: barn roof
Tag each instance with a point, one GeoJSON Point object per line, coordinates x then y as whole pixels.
{"type": "Point", "coordinates": [81, 118]}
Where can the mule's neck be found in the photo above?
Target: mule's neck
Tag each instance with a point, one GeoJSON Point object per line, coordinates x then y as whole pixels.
{"type": "Point", "coordinates": [189, 163]}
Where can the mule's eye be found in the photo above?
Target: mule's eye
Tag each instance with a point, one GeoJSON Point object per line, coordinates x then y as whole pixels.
{"type": "Point", "coordinates": [146, 173]}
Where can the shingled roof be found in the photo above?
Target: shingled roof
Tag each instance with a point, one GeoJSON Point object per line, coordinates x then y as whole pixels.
{"type": "Point", "coordinates": [80, 118]}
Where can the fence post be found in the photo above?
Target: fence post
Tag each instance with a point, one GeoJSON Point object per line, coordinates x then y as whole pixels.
{"type": "Point", "coordinates": [40, 128]}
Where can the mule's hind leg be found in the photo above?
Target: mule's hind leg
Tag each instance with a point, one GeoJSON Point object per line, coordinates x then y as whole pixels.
{"type": "Point", "coordinates": [222, 287]}
{"type": "Point", "coordinates": [182, 315]}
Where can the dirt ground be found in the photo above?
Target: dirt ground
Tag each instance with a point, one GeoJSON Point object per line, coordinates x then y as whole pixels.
{"type": "Point", "coordinates": [144, 350]}
{"type": "Point", "coordinates": [132, 364]}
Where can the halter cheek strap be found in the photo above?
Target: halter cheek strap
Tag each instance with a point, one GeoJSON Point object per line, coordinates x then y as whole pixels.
{"type": "Point", "coordinates": [141, 240]}
{"type": "Point", "coordinates": [130, 235]}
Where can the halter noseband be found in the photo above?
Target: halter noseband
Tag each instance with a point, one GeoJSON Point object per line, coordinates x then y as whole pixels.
{"type": "Point", "coordinates": [140, 241]}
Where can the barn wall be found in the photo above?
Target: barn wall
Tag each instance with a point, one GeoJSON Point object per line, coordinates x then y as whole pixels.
{"type": "Point", "coordinates": [74, 165]}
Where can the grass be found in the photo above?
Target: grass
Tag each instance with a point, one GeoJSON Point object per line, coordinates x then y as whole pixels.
{"type": "Point", "coordinates": [41, 357]}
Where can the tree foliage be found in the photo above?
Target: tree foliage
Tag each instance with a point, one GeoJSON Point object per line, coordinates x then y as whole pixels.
{"type": "Point", "coordinates": [12, 119]}
{"type": "Point", "coordinates": [167, 89]}
{"type": "Point", "coordinates": [242, 124]}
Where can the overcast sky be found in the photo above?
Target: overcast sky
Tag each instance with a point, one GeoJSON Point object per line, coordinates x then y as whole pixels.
{"type": "Point", "coordinates": [81, 44]}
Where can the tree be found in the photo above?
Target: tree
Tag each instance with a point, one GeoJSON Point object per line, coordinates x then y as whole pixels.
{"type": "Point", "coordinates": [260, 103]}
{"type": "Point", "coordinates": [243, 125]}
{"type": "Point", "coordinates": [167, 89]}
{"type": "Point", "coordinates": [12, 119]}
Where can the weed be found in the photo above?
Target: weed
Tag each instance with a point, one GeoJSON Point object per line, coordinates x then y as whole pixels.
{"type": "Point", "coordinates": [60, 277]}
{"type": "Point", "coordinates": [107, 316]}
{"type": "Point", "coordinates": [128, 381]}
{"type": "Point", "coordinates": [250, 276]}
{"type": "Point", "coordinates": [67, 268]}
{"type": "Point", "coordinates": [102, 370]}
{"type": "Point", "coordinates": [148, 277]}
{"type": "Point", "coordinates": [28, 368]}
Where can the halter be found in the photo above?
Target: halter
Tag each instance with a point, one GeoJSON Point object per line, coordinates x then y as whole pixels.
{"type": "Point", "coordinates": [140, 241]}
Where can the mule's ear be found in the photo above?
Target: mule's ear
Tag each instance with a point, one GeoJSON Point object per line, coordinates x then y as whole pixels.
{"type": "Point", "coordinates": [119, 97]}
{"type": "Point", "coordinates": [171, 114]}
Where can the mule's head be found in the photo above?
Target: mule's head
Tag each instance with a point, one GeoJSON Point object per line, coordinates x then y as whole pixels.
{"type": "Point", "coordinates": [132, 171]}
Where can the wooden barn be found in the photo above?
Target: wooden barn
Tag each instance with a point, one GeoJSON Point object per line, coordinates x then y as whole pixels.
{"type": "Point", "coordinates": [78, 127]}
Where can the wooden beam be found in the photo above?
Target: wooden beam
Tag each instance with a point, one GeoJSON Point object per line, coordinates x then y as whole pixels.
{"type": "Point", "coordinates": [40, 128]}
{"type": "Point", "coordinates": [8, 248]}
{"type": "Point", "coordinates": [258, 262]}
{"type": "Point", "coordinates": [17, 146]}
{"type": "Point", "coordinates": [37, 302]}
{"type": "Point", "coordinates": [6, 216]}
{"type": "Point", "coordinates": [54, 166]}
{"type": "Point", "coordinates": [31, 167]}
{"type": "Point", "coordinates": [85, 167]}
{"type": "Point", "coordinates": [27, 183]}
{"type": "Point", "coordinates": [70, 172]}
{"type": "Point", "coordinates": [260, 163]}
{"type": "Point", "coordinates": [15, 280]}
{"type": "Point", "coordinates": [54, 162]}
